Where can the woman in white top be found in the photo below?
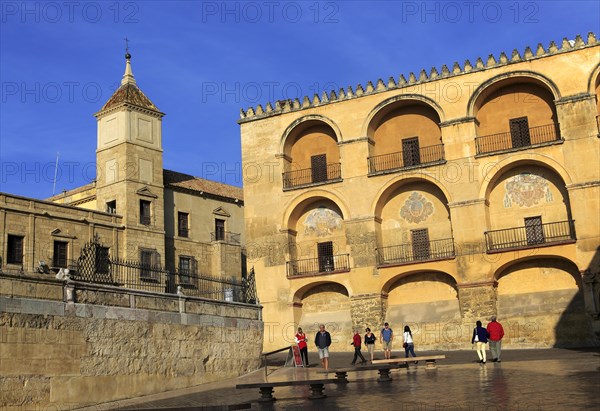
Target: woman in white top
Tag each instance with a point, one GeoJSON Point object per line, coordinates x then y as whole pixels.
{"type": "Point", "coordinates": [409, 345]}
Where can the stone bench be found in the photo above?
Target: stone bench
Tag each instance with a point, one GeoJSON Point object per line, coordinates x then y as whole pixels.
{"type": "Point", "coordinates": [341, 374]}
{"type": "Point", "coordinates": [429, 360]}
{"type": "Point", "coordinates": [266, 388]}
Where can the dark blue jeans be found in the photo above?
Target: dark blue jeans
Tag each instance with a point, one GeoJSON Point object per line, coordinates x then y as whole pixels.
{"type": "Point", "coordinates": [410, 348]}
{"type": "Point", "coordinates": [357, 354]}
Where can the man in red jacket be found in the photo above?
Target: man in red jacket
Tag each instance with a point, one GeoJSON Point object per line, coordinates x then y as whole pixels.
{"type": "Point", "coordinates": [495, 332]}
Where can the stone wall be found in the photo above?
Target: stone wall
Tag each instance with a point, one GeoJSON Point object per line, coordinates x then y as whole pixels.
{"type": "Point", "coordinates": [110, 344]}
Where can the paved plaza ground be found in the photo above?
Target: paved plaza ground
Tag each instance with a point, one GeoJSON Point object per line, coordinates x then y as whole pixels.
{"type": "Point", "coordinates": [525, 380]}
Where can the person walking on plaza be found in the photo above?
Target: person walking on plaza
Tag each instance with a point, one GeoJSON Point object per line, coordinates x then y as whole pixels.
{"type": "Point", "coordinates": [370, 342]}
{"type": "Point", "coordinates": [301, 341]}
{"type": "Point", "coordinates": [387, 336]}
{"type": "Point", "coordinates": [495, 332]}
{"type": "Point", "coordinates": [480, 338]}
{"type": "Point", "coordinates": [356, 342]}
{"type": "Point", "coordinates": [409, 345]}
{"type": "Point", "coordinates": [323, 341]}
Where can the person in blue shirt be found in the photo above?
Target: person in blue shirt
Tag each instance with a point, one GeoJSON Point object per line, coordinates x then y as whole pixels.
{"type": "Point", "coordinates": [387, 335]}
{"type": "Point", "coordinates": [323, 341]}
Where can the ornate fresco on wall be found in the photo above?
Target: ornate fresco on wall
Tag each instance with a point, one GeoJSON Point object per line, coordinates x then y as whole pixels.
{"type": "Point", "coordinates": [416, 208]}
{"type": "Point", "coordinates": [322, 222]}
{"type": "Point", "coordinates": [526, 190]}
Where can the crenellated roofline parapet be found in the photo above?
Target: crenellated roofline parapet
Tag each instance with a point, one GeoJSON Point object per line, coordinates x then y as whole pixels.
{"type": "Point", "coordinates": [289, 105]}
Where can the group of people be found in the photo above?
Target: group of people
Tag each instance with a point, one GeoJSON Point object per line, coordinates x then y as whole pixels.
{"type": "Point", "coordinates": [493, 334]}
{"type": "Point", "coordinates": [323, 341]}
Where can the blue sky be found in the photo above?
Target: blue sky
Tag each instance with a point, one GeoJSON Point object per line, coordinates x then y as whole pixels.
{"type": "Point", "coordinates": [201, 61]}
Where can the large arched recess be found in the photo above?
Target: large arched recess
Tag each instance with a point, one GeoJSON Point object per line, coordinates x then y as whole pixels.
{"type": "Point", "coordinates": [525, 189]}
{"type": "Point", "coordinates": [594, 81]}
{"type": "Point", "coordinates": [406, 131]}
{"type": "Point", "coordinates": [390, 104]}
{"type": "Point", "coordinates": [310, 151]}
{"type": "Point", "coordinates": [292, 209]}
{"type": "Point", "coordinates": [312, 219]}
{"type": "Point", "coordinates": [388, 189]}
{"type": "Point", "coordinates": [515, 77]}
{"type": "Point", "coordinates": [497, 169]}
{"type": "Point", "coordinates": [541, 304]}
{"type": "Point", "coordinates": [306, 122]}
{"type": "Point", "coordinates": [328, 303]}
{"type": "Point", "coordinates": [422, 297]}
{"type": "Point", "coordinates": [514, 110]}
{"type": "Point", "coordinates": [594, 88]}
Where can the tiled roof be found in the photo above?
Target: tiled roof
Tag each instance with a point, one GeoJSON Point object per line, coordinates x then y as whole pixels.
{"type": "Point", "coordinates": [129, 93]}
{"type": "Point", "coordinates": [179, 180]}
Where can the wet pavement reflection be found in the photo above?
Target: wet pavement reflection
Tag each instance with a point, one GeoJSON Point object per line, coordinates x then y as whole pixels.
{"type": "Point", "coordinates": [525, 380]}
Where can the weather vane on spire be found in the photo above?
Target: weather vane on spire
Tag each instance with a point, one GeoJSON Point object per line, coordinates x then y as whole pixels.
{"type": "Point", "coordinates": [127, 55]}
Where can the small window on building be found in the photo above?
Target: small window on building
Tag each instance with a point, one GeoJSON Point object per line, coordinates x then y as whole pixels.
{"type": "Point", "coordinates": [420, 244]}
{"type": "Point", "coordinates": [102, 262]}
{"type": "Point", "coordinates": [318, 165]}
{"type": "Point", "coordinates": [534, 230]}
{"type": "Point", "coordinates": [411, 154]}
{"type": "Point", "coordinates": [14, 249]}
{"type": "Point", "coordinates": [144, 212]}
{"type": "Point", "coordinates": [519, 132]}
{"type": "Point", "coordinates": [325, 256]}
{"type": "Point", "coordinates": [111, 207]}
{"type": "Point", "coordinates": [185, 269]}
{"type": "Point", "coordinates": [219, 229]}
{"type": "Point", "coordinates": [182, 224]}
{"type": "Point", "coordinates": [150, 265]}
{"type": "Point", "coordinates": [59, 259]}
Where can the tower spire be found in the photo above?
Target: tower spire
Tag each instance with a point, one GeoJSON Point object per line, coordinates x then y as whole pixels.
{"type": "Point", "coordinates": [128, 76]}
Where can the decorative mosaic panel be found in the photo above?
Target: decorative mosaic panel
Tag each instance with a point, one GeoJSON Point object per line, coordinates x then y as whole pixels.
{"type": "Point", "coordinates": [416, 208]}
{"type": "Point", "coordinates": [322, 222]}
{"type": "Point", "coordinates": [526, 190]}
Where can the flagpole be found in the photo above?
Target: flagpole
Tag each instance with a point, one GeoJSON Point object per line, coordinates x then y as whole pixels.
{"type": "Point", "coordinates": [55, 174]}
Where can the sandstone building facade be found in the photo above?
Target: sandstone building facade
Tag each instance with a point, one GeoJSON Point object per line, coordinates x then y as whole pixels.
{"type": "Point", "coordinates": [433, 201]}
{"type": "Point", "coordinates": [135, 210]}
{"type": "Point", "coordinates": [157, 297]}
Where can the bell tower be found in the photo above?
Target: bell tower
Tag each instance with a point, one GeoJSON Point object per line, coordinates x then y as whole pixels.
{"type": "Point", "coordinates": [129, 179]}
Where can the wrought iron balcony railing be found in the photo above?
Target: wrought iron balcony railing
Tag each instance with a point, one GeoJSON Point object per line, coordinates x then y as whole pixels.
{"type": "Point", "coordinates": [194, 284]}
{"type": "Point", "coordinates": [530, 236]}
{"type": "Point", "coordinates": [309, 176]}
{"type": "Point", "coordinates": [422, 157]}
{"type": "Point", "coordinates": [507, 141]}
{"type": "Point", "coordinates": [226, 236]}
{"type": "Point", "coordinates": [319, 266]}
{"type": "Point", "coordinates": [416, 252]}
